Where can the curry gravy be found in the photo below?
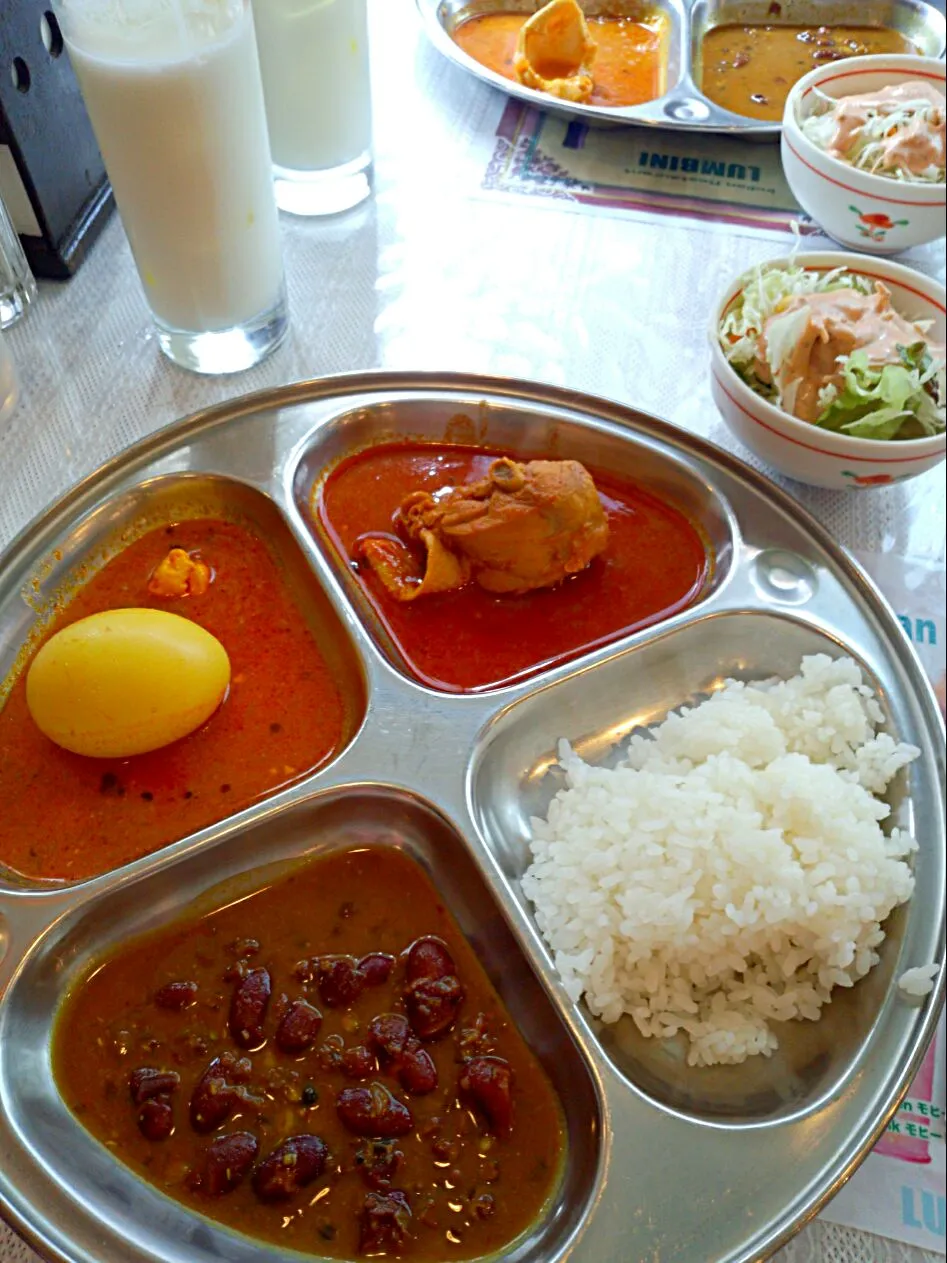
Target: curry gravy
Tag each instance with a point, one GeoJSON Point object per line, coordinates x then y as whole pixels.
{"type": "Point", "coordinates": [630, 64]}
{"type": "Point", "coordinates": [750, 69]}
{"type": "Point", "coordinates": [456, 1180]}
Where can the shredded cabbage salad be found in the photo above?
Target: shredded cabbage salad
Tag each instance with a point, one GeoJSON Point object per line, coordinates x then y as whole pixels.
{"type": "Point", "coordinates": [900, 400]}
{"type": "Point", "coordinates": [870, 143]}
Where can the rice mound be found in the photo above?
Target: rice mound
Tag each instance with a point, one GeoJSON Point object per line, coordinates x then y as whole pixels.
{"type": "Point", "coordinates": [733, 870]}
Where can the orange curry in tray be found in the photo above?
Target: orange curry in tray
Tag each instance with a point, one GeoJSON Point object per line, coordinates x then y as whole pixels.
{"type": "Point", "coordinates": [605, 61]}
{"type": "Point", "coordinates": [322, 1066]}
{"type": "Point", "coordinates": [482, 569]}
{"type": "Point", "coordinates": [67, 816]}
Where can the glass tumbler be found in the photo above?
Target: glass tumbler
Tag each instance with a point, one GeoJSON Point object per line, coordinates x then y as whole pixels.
{"type": "Point", "coordinates": [314, 59]}
{"type": "Point", "coordinates": [17, 286]}
{"type": "Point", "coordinates": [174, 94]}
{"type": "Point", "coordinates": [8, 382]}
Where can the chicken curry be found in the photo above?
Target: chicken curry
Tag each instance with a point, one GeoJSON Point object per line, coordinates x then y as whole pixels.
{"type": "Point", "coordinates": [320, 1065]}
{"type": "Point", "coordinates": [482, 569]}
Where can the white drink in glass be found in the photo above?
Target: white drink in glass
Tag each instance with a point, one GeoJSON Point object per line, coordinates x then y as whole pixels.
{"type": "Point", "coordinates": [174, 94]}
{"type": "Point", "coordinates": [314, 59]}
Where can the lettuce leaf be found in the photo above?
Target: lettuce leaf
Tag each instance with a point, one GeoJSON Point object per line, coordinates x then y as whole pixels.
{"type": "Point", "coordinates": [876, 402]}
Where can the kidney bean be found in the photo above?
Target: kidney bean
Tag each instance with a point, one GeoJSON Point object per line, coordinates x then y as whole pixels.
{"type": "Point", "coordinates": [216, 1093]}
{"type": "Point", "coordinates": [400, 1050]}
{"type": "Point", "coordinates": [227, 1159]}
{"type": "Point", "coordinates": [432, 1004]}
{"type": "Point", "coordinates": [376, 968]}
{"type": "Point", "coordinates": [388, 1033]}
{"type": "Point", "coordinates": [248, 1005]}
{"type": "Point", "coordinates": [484, 1206]}
{"type": "Point", "coordinates": [489, 1080]}
{"type": "Point", "coordinates": [384, 1222]}
{"type": "Point", "coordinates": [417, 1073]}
{"type": "Point", "coordinates": [298, 1027]}
{"type": "Point", "coordinates": [176, 996]}
{"type": "Point", "coordinates": [156, 1118]}
{"type": "Point", "coordinates": [148, 1082]}
{"type": "Point", "coordinates": [379, 1162]}
{"type": "Point", "coordinates": [373, 1111]}
{"type": "Point", "coordinates": [428, 957]}
{"type": "Point", "coordinates": [340, 983]}
{"type": "Point", "coordinates": [358, 1062]}
{"type": "Point", "coordinates": [290, 1167]}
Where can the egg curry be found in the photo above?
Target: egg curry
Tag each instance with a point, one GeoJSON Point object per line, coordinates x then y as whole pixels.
{"type": "Point", "coordinates": [606, 61]}
{"type": "Point", "coordinates": [179, 685]}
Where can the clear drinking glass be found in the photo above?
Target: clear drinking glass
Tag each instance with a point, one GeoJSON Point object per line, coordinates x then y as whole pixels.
{"type": "Point", "coordinates": [314, 59]}
{"type": "Point", "coordinates": [174, 94]}
{"type": "Point", "coordinates": [17, 286]}
{"type": "Point", "coordinates": [8, 382]}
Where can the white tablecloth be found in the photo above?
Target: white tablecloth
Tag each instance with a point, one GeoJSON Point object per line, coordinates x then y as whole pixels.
{"type": "Point", "coordinates": [433, 274]}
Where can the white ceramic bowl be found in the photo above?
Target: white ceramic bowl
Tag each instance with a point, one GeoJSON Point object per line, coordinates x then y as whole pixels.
{"type": "Point", "coordinates": [805, 452]}
{"type": "Point", "coordinates": [866, 212]}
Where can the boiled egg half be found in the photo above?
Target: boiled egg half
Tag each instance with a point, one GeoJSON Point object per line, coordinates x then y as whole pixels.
{"type": "Point", "coordinates": [126, 681]}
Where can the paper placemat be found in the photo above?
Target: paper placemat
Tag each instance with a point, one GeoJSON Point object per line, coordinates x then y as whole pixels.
{"type": "Point", "coordinates": [717, 180]}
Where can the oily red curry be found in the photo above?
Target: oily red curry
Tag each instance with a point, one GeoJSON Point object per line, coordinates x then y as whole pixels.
{"type": "Point", "coordinates": [67, 816]}
{"type": "Point", "coordinates": [321, 1065]}
{"type": "Point", "coordinates": [655, 564]}
{"type": "Point", "coordinates": [630, 64]}
{"type": "Point", "coordinates": [750, 69]}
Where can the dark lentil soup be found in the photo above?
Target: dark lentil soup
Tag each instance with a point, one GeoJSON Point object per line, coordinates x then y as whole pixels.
{"type": "Point", "coordinates": [750, 69]}
{"type": "Point", "coordinates": [321, 1065]}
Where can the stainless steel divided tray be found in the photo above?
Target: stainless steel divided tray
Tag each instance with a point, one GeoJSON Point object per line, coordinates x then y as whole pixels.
{"type": "Point", "coordinates": [664, 1162]}
{"type": "Point", "coordinates": [683, 105]}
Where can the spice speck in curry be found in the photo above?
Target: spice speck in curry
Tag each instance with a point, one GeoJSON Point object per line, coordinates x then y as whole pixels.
{"type": "Point", "coordinates": [178, 685]}
{"type": "Point", "coordinates": [320, 1066]}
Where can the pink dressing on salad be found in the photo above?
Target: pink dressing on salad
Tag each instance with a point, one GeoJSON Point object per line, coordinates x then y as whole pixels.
{"type": "Point", "coordinates": [915, 147]}
{"type": "Point", "coordinates": [839, 322]}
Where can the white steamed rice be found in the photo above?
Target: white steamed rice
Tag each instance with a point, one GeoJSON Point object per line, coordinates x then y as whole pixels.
{"type": "Point", "coordinates": [733, 870]}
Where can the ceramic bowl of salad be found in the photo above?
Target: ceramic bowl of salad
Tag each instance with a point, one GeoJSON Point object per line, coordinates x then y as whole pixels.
{"type": "Point", "coordinates": [863, 150]}
{"type": "Point", "coordinates": [830, 368]}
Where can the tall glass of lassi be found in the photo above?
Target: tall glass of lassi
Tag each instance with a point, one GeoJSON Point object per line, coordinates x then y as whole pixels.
{"type": "Point", "coordinates": [174, 93]}
{"type": "Point", "coordinates": [314, 59]}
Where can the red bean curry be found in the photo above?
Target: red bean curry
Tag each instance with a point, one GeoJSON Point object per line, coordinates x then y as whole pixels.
{"type": "Point", "coordinates": [750, 69]}
{"type": "Point", "coordinates": [67, 816]}
{"type": "Point", "coordinates": [655, 564]}
{"type": "Point", "coordinates": [322, 1066]}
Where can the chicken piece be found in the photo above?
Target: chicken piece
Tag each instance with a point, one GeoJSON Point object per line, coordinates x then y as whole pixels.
{"type": "Point", "coordinates": [522, 527]}
{"type": "Point", "coordinates": [400, 573]}
{"type": "Point", "coordinates": [179, 574]}
{"type": "Point", "coordinates": [555, 50]}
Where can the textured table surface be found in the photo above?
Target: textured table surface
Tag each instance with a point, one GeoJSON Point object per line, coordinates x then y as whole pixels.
{"type": "Point", "coordinates": [433, 274]}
